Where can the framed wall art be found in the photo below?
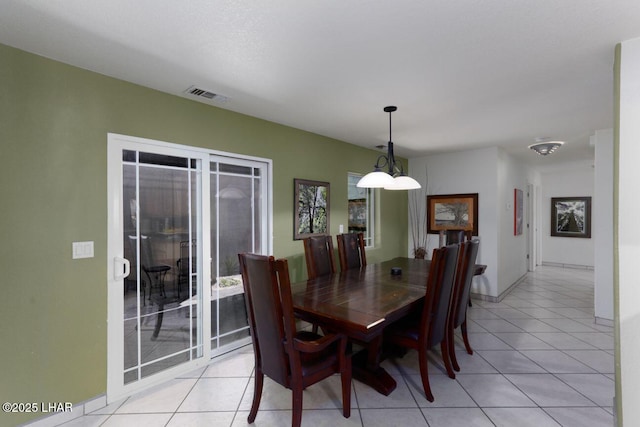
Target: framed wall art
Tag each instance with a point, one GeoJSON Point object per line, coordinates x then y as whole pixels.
{"type": "Point", "coordinates": [571, 217]}
{"type": "Point", "coordinates": [311, 208]}
{"type": "Point", "coordinates": [357, 216]}
{"type": "Point", "coordinates": [518, 211]}
{"type": "Point", "coordinates": [452, 212]}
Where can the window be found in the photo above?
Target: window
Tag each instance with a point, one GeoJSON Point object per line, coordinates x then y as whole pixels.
{"type": "Point", "coordinates": [361, 209]}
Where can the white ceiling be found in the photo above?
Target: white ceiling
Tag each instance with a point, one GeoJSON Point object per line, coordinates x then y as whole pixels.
{"type": "Point", "coordinates": [463, 73]}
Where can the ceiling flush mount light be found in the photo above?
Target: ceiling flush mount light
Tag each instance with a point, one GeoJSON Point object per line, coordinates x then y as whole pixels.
{"type": "Point", "coordinates": [393, 178]}
{"type": "Point", "coordinates": [544, 146]}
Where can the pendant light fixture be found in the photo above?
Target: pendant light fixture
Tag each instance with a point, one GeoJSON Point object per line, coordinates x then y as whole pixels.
{"type": "Point", "coordinates": [393, 178]}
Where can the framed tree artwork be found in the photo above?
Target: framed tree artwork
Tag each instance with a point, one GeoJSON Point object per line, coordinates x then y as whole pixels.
{"type": "Point", "coordinates": [452, 212]}
{"type": "Point", "coordinates": [311, 208]}
{"type": "Point", "coordinates": [571, 217]}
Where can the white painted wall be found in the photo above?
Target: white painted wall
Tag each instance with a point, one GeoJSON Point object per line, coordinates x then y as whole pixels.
{"type": "Point", "coordinates": [572, 180]}
{"type": "Point", "coordinates": [492, 174]}
{"type": "Point", "coordinates": [535, 215]}
{"type": "Point", "coordinates": [628, 244]}
{"type": "Point", "coordinates": [512, 249]}
{"type": "Point", "coordinates": [602, 230]}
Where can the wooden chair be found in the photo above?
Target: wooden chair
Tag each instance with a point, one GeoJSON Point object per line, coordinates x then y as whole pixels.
{"type": "Point", "coordinates": [293, 359]}
{"type": "Point", "coordinates": [318, 253]}
{"type": "Point", "coordinates": [429, 328]}
{"type": "Point", "coordinates": [457, 236]}
{"type": "Point", "coordinates": [351, 250]}
{"type": "Point", "coordinates": [464, 274]}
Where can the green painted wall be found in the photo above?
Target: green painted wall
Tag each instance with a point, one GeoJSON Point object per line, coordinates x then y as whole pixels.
{"type": "Point", "coordinates": [54, 121]}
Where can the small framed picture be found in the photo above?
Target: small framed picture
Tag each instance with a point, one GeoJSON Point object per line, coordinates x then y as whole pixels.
{"type": "Point", "coordinates": [311, 208]}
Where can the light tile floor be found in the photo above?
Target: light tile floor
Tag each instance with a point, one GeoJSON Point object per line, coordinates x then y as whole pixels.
{"type": "Point", "coordinates": [539, 360]}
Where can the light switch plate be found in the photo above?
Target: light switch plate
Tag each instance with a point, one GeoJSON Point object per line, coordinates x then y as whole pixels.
{"type": "Point", "coordinates": [82, 250]}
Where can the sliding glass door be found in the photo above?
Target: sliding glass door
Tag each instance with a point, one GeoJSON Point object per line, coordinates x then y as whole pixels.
{"type": "Point", "coordinates": [178, 217]}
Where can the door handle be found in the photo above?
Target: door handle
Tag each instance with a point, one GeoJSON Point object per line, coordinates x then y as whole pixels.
{"type": "Point", "coordinates": [117, 268]}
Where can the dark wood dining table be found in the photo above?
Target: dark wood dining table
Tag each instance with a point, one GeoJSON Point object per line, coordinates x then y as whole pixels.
{"type": "Point", "coordinates": [360, 303]}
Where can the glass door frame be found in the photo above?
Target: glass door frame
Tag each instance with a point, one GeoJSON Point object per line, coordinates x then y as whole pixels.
{"type": "Point", "coordinates": [117, 264]}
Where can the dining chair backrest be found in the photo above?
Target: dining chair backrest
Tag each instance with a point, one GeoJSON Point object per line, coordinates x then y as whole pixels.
{"type": "Point", "coordinates": [464, 277]}
{"type": "Point", "coordinates": [291, 358]}
{"type": "Point", "coordinates": [465, 271]}
{"type": "Point", "coordinates": [457, 236]}
{"type": "Point", "coordinates": [433, 328]}
{"type": "Point", "coordinates": [270, 313]}
{"type": "Point", "coordinates": [351, 250]}
{"type": "Point", "coordinates": [318, 252]}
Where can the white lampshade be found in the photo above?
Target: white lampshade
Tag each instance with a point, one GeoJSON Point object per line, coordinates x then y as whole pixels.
{"type": "Point", "coordinates": [403, 182]}
{"type": "Point", "coordinates": [375, 179]}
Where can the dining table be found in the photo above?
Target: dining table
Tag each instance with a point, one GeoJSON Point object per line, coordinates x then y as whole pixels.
{"type": "Point", "coordinates": [360, 303]}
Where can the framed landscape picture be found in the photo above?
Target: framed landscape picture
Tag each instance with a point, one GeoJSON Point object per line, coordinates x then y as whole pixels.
{"type": "Point", "coordinates": [452, 212]}
{"type": "Point", "coordinates": [571, 217]}
{"type": "Point", "coordinates": [311, 208]}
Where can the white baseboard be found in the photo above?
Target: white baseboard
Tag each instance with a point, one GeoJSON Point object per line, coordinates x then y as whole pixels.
{"type": "Point", "coordinates": [490, 298]}
{"type": "Point", "coordinates": [77, 410]}
{"type": "Point", "coordinates": [559, 264]}
{"type": "Point", "coordinates": [604, 322]}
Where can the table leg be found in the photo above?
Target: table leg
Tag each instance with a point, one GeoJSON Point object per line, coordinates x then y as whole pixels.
{"type": "Point", "coordinates": [367, 369]}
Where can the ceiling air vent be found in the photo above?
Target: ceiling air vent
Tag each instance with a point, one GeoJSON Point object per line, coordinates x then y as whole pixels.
{"type": "Point", "coordinates": [203, 93]}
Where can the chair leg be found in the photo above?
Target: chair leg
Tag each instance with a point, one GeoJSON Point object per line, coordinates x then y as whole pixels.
{"type": "Point", "coordinates": [160, 316]}
{"type": "Point", "coordinates": [424, 374]}
{"type": "Point", "coordinates": [452, 350]}
{"type": "Point", "coordinates": [446, 358]}
{"type": "Point", "coordinates": [463, 329]}
{"type": "Point", "coordinates": [296, 416]}
{"type": "Point", "coordinates": [345, 376]}
{"type": "Point", "coordinates": [257, 394]}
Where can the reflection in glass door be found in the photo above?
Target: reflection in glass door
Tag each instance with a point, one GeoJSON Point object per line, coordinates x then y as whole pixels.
{"type": "Point", "coordinates": [238, 217]}
{"type": "Point", "coordinates": [156, 245]}
{"type": "Point", "coordinates": [160, 215]}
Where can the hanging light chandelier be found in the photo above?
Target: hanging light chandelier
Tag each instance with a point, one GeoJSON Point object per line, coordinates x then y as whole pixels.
{"type": "Point", "coordinates": [393, 178]}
